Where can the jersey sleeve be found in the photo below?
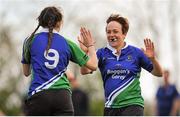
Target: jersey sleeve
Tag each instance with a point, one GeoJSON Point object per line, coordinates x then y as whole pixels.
{"type": "Point", "coordinates": [26, 52]}
{"type": "Point", "coordinates": [77, 55]}
{"type": "Point", "coordinates": [98, 53]}
{"type": "Point", "coordinates": [144, 61]}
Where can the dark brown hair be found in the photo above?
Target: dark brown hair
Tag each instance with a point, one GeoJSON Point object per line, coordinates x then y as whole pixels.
{"type": "Point", "coordinates": [121, 20]}
{"type": "Point", "coordinates": [48, 18]}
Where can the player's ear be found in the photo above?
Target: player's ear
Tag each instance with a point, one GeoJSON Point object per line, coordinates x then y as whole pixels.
{"type": "Point", "coordinates": [59, 24]}
{"type": "Point", "coordinates": [124, 36]}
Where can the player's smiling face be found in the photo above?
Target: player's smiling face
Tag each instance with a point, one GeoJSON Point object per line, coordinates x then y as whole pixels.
{"type": "Point", "coordinates": [114, 34]}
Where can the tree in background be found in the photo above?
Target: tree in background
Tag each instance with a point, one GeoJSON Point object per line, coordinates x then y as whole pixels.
{"type": "Point", "coordinates": [10, 75]}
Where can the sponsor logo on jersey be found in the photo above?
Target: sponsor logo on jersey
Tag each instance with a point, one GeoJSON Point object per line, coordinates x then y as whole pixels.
{"type": "Point", "coordinates": [118, 73]}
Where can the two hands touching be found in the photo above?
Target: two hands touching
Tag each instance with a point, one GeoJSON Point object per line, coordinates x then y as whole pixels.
{"type": "Point", "coordinates": [85, 39]}
{"type": "Point", "coordinates": [87, 43]}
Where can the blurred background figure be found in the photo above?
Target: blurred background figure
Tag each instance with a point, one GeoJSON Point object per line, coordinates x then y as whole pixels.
{"type": "Point", "coordinates": [167, 97]}
{"type": "Point", "coordinates": [79, 97]}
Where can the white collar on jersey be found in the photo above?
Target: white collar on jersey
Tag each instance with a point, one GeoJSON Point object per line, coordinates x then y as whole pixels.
{"type": "Point", "coordinates": [114, 50]}
{"type": "Point", "coordinates": [47, 30]}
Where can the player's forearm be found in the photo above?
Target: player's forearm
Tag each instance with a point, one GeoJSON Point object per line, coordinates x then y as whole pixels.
{"type": "Point", "coordinates": [92, 63]}
{"type": "Point", "coordinates": [157, 69]}
{"type": "Point", "coordinates": [26, 70]}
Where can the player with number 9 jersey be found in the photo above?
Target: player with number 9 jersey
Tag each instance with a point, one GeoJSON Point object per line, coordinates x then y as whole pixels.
{"type": "Point", "coordinates": [48, 70]}
{"type": "Point", "coordinates": [45, 56]}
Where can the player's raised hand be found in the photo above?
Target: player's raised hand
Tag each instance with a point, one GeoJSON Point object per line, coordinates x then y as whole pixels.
{"type": "Point", "coordinates": [87, 38]}
{"type": "Point", "coordinates": [149, 48]}
{"type": "Point", "coordinates": [82, 45]}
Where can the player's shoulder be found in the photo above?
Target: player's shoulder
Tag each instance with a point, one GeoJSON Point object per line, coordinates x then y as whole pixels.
{"type": "Point", "coordinates": [102, 50]}
{"type": "Point", "coordinates": [134, 48]}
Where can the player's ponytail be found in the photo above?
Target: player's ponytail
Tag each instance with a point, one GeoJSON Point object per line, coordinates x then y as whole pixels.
{"type": "Point", "coordinates": [32, 35]}
{"type": "Point", "coordinates": [49, 18]}
{"type": "Point", "coordinates": [50, 34]}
